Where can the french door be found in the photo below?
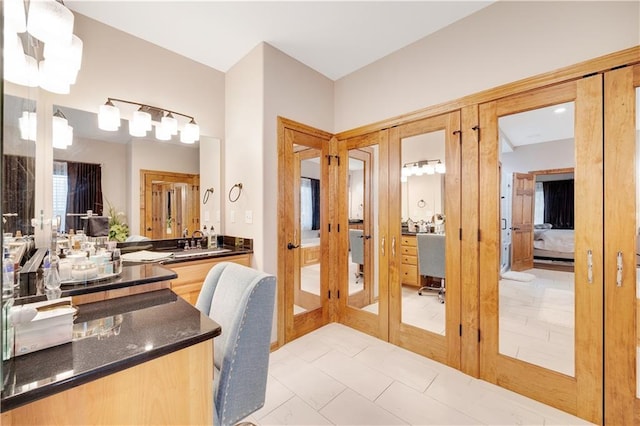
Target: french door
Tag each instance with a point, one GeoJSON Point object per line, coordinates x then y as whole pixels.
{"type": "Point", "coordinates": [424, 187]}
{"type": "Point", "coordinates": [363, 240]}
{"type": "Point", "coordinates": [302, 240]}
{"type": "Point", "coordinates": [542, 327]}
{"type": "Point", "coordinates": [622, 245]}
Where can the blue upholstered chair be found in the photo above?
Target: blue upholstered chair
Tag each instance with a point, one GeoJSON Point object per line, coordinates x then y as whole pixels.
{"type": "Point", "coordinates": [431, 262]}
{"type": "Point", "coordinates": [242, 301]}
{"type": "Point", "coordinates": [356, 245]}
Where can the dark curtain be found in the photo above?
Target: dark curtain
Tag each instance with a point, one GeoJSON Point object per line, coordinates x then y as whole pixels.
{"type": "Point", "coordinates": [84, 191]}
{"type": "Point", "coordinates": [558, 203]}
{"type": "Point", "coordinates": [18, 188]}
{"type": "Point", "coordinates": [315, 203]}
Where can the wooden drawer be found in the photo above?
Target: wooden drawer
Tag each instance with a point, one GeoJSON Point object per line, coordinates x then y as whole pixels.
{"type": "Point", "coordinates": [409, 251]}
{"type": "Point", "coordinates": [408, 240]}
{"type": "Point", "coordinates": [409, 274]}
{"type": "Point", "coordinates": [409, 260]}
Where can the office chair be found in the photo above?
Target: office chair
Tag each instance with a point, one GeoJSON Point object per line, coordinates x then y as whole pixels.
{"type": "Point", "coordinates": [431, 261]}
{"type": "Point", "coordinates": [242, 301]}
{"type": "Point", "coordinates": [356, 244]}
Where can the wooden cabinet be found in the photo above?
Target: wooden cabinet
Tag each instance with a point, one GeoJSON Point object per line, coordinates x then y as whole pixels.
{"type": "Point", "coordinates": [310, 255]}
{"type": "Point", "coordinates": [176, 388]}
{"type": "Point", "coordinates": [409, 271]}
{"type": "Point", "coordinates": [191, 274]}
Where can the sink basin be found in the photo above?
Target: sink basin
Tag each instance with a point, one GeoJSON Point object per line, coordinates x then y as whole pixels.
{"type": "Point", "coordinates": [181, 254]}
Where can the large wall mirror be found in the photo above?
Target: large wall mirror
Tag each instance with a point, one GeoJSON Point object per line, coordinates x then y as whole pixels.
{"type": "Point", "coordinates": [423, 206]}
{"type": "Point", "coordinates": [537, 290]}
{"type": "Point", "coordinates": [96, 170]}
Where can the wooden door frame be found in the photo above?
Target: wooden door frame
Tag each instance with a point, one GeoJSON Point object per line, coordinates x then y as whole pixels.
{"type": "Point", "coordinates": [289, 131]}
{"type": "Point", "coordinates": [580, 395]}
{"type": "Point", "coordinates": [147, 177]}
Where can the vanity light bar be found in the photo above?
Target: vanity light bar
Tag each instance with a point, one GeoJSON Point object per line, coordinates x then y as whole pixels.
{"type": "Point", "coordinates": [419, 168]}
{"type": "Point", "coordinates": [144, 118]}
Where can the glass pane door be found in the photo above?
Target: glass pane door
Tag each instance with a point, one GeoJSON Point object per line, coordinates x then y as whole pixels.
{"type": "Point", "coordinates": [303, 221]}
{"type": "Point", "coordinates": [425, 243]}
{"type": "Point", "coordinates": [541, 245]}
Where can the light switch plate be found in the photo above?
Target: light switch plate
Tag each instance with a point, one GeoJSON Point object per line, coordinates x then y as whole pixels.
{"type": "Point", "coordinates": [232, 216]}
{"type": "Point", "coordinates": [206, 216]}
{"type": "Point", "coordinates": [248, 216]}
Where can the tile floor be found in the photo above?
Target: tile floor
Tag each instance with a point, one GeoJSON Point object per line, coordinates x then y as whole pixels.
{"type": "Point", "coordinates": [340, 376]}
{"type": "Point", "coordinates": [537, 319]}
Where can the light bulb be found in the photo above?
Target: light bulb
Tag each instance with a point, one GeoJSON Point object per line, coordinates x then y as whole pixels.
{"type": "Point", "coordinates": [109, 117]}
{"type": "Point", "coordinates": [170, 124]}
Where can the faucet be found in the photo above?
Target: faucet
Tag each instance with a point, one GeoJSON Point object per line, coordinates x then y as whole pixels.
{"type": "Point", "coordinates": [193, 238]}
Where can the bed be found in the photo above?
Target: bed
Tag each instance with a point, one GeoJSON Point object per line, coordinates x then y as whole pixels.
{"type": "Point", "coordinates": [553, 244]}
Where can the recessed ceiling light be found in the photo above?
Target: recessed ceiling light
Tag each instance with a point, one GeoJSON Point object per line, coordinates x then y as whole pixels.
{"type": "Point", "coordinates": [559, 110]}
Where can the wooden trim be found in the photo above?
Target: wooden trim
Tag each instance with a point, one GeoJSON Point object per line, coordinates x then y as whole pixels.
{"type": "Point", "coordinates": [469, 207]}
{"type": "Point", "coordinates": [572, 72]}
{"type": "Point", "coordinates": [552, 171]}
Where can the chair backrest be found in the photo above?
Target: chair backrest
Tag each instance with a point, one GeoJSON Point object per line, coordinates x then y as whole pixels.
{"type": "Point", "coordinates": [356, 243]}
{"type": "Point", "coordinates": [431, 255]}
{"type": "Point", "coordinates": [242, 301]}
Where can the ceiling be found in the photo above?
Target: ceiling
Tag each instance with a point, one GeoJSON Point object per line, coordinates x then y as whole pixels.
{"type": "Point", "coordinates": [333, 37]}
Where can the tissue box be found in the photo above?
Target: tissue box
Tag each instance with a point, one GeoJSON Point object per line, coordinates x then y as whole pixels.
{"type": "Point", "coordinates": [51, 326]}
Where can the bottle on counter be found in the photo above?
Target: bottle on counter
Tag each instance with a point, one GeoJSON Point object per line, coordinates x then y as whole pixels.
{"type": "Point", "coordinates": [213, 239]}
{"type": "Point", "coordinates": [205, 237]}
{"type": "Point", "coordinates": [51, 275]}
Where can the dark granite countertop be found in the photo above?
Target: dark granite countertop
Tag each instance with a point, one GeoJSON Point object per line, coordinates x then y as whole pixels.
{"type": "Point", "coordinates": [133, 329]}
{"type": "Point", "coordinates": [232, 251]}
{"type": "Point", "coordinates": [132, 275]}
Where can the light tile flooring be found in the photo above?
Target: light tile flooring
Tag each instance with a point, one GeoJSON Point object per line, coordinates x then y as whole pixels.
{"type": "Point", "coordinates": [337, 375]}
{"type": "Point", "coordinates": [537, 319]}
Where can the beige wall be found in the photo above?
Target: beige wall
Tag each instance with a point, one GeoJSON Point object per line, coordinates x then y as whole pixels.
{"type": "Point", "coordinates": [266, 84]}
{"type": "Point", "coordinates": [504, 42]}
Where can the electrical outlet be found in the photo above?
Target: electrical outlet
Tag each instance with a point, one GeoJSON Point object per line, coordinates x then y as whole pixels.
{"type": "Point", "coordinates": [248, 216]}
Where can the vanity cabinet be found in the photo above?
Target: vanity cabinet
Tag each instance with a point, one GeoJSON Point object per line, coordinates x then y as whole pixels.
{"type": "Point", "coordinates": [191, 274]}
{"type": "Point", "coordinates": [409, 272]}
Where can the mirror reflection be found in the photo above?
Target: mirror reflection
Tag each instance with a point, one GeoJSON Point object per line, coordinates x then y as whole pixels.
{"type": "Point", "coordinates": [536, 289]}
{"type": "Point", "coordinates": [18, 178]}
{"type": "Point", "coordinates": [362, 188]}
{"type": "Point", "coordinates": [423, 233]}
{"type": "Point", "coordinates": [308, 183]}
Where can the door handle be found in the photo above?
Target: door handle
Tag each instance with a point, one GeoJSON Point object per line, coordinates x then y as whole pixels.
{"type": "Point", "coordinates": [292, 246]}
{"type": "Point", "coordinates": [382, 245]}
{"type": "Point", "coordinates": [619, 269]}
{"type": "Point", "coordinates": [366, 237]}
{"type": "Point", "coordinates": [393, 247]}
{"type": "Point", "coordinates": [590, 266]}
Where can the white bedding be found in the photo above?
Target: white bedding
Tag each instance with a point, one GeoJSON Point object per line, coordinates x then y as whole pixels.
{"type": "Point", "coordinates": [560, 240]}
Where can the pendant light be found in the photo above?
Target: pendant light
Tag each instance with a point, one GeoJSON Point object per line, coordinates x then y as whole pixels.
{"type": "Point", "coordinates": [62, 133]}
{"type": "Point", "coordinates": [109, 117]}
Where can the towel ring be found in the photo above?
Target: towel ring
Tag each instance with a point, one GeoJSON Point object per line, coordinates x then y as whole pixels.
{"type": "Point", "coordinates": [421, 203]}
{"type": "Point", "coordinates": [239, 186]}
{"type": "Point", "coordinates": [207, 193]}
